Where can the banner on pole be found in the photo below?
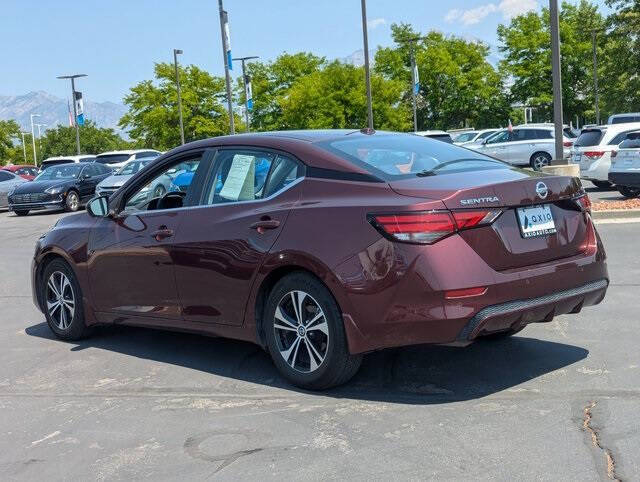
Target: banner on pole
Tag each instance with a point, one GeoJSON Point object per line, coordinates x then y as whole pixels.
{"type": "Point", "coordinates": [79, 108]}
{"type": "Point", "coordinates": [416, 80]}
{"type": "Point", "coordinates": [227, 39]}
{"type": "Point", "coordinates": [249, 93]}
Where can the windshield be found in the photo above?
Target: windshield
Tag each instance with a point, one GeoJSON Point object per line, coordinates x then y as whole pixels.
{"type": "Point", "coordinates": [467, 136]}
{"type": "Point", "coordinates": [112, 158]}
{"type": "Point", "coordinates": [131, 168]}
{"type": "Point", "coordinates": [589, 137]}
{"type": "Point", "coordinates": [397, 156]}
{"type": "Point", "coordinates": [54, 173]}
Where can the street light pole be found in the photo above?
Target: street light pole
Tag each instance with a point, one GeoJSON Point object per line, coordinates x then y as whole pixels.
{"type": "Point", "coordinates": [367, 74]}
{"type": "Point", "coordinates": [33, 139]}
{"type": "Point", "coordinates": [40, 136]}
{"type": "Point", "coordinates": [557, 80]}
{"type": "Point", "coordinates": [244, 78]}
{"type": "Point", "coordinates": [75, 112]}
{"type": "Point", "coordinates": [24, 148]}
{"type": "Point", "coordinates": [414, 80]}
{"type": "Point", "coordinates": [594, 33]}
{"type": "Point", "coordinates": [226, 51]}
{"type": "Point", "coordinates": [175, 64]}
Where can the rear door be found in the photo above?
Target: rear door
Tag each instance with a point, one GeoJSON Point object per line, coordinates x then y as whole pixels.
{"type": "Point", "coordinates": [524, 145]}
{"type": "Point", "coordinates": [498, 146]}
{"type": "Point", "coordinates": [222, 243]}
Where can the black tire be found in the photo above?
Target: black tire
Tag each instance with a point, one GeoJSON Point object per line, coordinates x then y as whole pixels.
{"type": "Point", "coordinates": [539, 159]}
{"type": "Point", "coordinates": [21, 213]}
{"type": "Point", "coordinates": [338, 365]}
{"type": "Point", "coordinates": [76, 328]}
{"type": "Point", "coordinates": [602, 184]}
{"type": "Point", "coordinates": [72, 202]}
{"type": "Point", "coordinates": [629, 192]}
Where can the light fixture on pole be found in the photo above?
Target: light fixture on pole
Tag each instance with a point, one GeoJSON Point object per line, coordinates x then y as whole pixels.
{"type": "Point", "coordinates": [177, 52]}
{"type": "Point", "coordinates": [33, 139]}
{"type": "Point", "coordinates": [557, 80]}
{"type": "Point", "coordinates": [75, 104]}
{"type": "Point", "coordinates": [248, 91]}
{"type": "Point", "coordinates": [24, 148]}
{"type": "Point", "coordinates": [367, 75]}
{"type": "Point", "coordinates": [226, 53]}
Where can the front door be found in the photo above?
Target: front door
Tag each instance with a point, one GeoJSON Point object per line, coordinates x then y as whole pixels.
{"type": "Point", "coordinates": [222, 244]}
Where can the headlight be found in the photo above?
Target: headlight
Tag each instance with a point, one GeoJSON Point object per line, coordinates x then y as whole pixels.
{"type": "Point", "coordinates": [54, 190]}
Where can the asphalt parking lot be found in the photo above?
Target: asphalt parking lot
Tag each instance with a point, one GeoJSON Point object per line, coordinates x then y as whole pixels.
{"type": "Point", "coordinates": [559, 401]}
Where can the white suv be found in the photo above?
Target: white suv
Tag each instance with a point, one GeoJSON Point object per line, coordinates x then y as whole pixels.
{"type": "Point", "coordinates": [593, 148]}
{"type": "Point", "coordinates": [117, 159]}
{"type": "Point", "coordinates": [625, 166]}
{"type": "Point", "coordinates": [524, 146]}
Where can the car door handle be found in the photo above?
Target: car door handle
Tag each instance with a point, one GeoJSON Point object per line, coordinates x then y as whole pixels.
{"type": "Point", "coordinates": [264, 224]}
{"type": "Point", "coordinates": [162, 233]}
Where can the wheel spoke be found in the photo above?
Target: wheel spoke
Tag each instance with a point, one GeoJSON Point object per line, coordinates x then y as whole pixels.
{"type": "Point", "coordinates": [52, 306]}
{"type": "Point", "coordinates": [323, 327]}
{"type": "Point", "coordinates": [280, 316]}
{"type": "Point", "coordinates": [52, 286]}
{"type": "Point", "coordinates": [63, 318]}
{"type": "Point", "coordinates": [286, 354]}
{"type": "Point", "coordinates": [297, 298]}
{"type": "Point", "coordinates": [64, 282]}
{"type": "Point", "coordinates": [319, 315]}
{"type": "Point", "coordinates": [313, 364]}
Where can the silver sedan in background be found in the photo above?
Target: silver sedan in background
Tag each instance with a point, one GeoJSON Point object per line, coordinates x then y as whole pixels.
{"type": "Point", "coordinates": [8, 181]}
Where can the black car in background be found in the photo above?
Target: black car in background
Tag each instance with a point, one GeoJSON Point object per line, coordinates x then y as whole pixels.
{"type": "Point", "coordinates": [63, 186]}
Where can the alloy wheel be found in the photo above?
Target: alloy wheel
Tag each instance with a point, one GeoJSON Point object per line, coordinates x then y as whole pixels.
{"type": "Point", "coordinates": [60, 300]}
{"type": "Point", "coordinates": [72, 201]}
{"type": "Point", "coordinates": [539, 162]}
{"type": "Point", "coordinates": [301, 331]}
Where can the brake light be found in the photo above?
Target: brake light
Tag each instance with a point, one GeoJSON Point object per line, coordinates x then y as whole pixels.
{"type": "Point", "coordinates": [430, 227]}
{"type": "Point", "coordinates": [594, 154]}
{"type": "Point", "coordinates": [584, 203]}
{"type": "Point", "coordinates": [567, 143]}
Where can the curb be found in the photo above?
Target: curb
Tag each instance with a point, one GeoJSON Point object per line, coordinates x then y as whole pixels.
{"type": "Point", "coordinates": [617, 215]}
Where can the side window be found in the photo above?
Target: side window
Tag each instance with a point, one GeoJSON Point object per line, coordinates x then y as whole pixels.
{"type": "Point", "coordinates": [175, 179]}
{"type": "Point", "coordinates": [619, 138]}
{"type": "Point", "coordinates": [5, 176]}
{"type": "Point", "coordinates": [90, 170]}
{"type": "Point", "coordinates": [505, 136]}
{"type": "Point", "coordinates": [283, 172]}
{"type": "Point", "coordinates": [543, 134]}
{"type": "Point", "coordinates": [239, 176]}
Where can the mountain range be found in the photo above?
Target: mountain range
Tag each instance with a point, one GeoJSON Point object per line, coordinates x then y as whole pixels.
{"type": "Point", "coordinates": [54, 110]}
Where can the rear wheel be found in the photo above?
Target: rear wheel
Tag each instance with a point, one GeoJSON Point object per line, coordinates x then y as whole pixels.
{"type": "Point", "coordinates": [629, 192]}
{"type": "Point", "coordinates": [539, 160]}
{"type": "Point", "coordinates": [21, 213]}
{"type": "Point", "coordinates": [72, 203]}
{"type": "Point", "coordinates": [602, 184]}
{"type": "Point", "coordinates": [305, 334]}
{"type": "Point", "coordinates": [62, 300]}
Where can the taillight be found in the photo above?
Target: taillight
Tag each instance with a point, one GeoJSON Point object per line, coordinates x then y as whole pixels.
{"type": "Point", "coordinates": [584, 203]}
{"type": "Point", "coordinates": [567, 143]}
{"type": "Point", "coordinates": [429, 227]}
{"type": "Point", "coordinates": [594, 154]}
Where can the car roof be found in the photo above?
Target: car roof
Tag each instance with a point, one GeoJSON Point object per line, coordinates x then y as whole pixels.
{"type": "Point", "coordinates": [81, 164]}
{"type": "Point", "coordinates": [434, 132]}
{"type": "Point", "coordinates": [126, 151]}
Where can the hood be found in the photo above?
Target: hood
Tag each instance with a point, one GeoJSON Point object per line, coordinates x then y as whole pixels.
{"type": "Point", "coordinates": [490, 188]}
{"type": "Point", "coordinates": [41, 186]}
{"type": "Point", "coordinates": [115, 181]}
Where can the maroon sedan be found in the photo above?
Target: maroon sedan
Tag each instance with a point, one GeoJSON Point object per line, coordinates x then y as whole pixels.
{"type": "Point", "coordinates": [324, 245]}
{"type": "Point", "coordinates": [25, 171]}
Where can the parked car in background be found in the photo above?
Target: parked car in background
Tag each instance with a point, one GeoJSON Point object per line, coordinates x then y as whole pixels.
{"type": "Point", "coordinates": [568, 131]}
{"type": "Point", "coordinates": [8, 182]}
{"type": "Point", "coordinates": [117, 159]}
{"type": "Point", "coordinates": [625, 166]}
{"type": "Point", "coordinates": [624, 118]}
{"type": "Point", "coordinates": [437, 135]}
{"type": "Point", "coordinates": [25, 171]}
{"type": "Point", "coordinates": [62, 186]}
{"type": "Point", "coordinates": [524, 145]}
{"type": "Point", "coordinates": [116, 180]}
{"type": "Point", "coordinates": [473, 136]}
{"type": "Point", "coordinates": [57, 160]}
{"type": "Point", "coordinates": [593, 149]}
{"type": "Point", "coordinates": [355, 241]}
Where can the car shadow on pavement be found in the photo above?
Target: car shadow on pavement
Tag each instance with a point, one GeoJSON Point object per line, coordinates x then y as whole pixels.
{"type": "Point", "coordinates": [423, 374]}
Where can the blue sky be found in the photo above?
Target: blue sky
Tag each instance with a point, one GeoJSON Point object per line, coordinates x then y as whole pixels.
{"type": "Point", "coordinates": [116, 42]}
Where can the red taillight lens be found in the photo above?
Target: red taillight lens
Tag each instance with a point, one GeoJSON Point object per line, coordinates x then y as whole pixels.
{"type": "Point", "coordinates": [584, 202]}
{"type": "Point", "coordinates": [567, 143]}
{"type": "Point", "coordinates": [465, 293]}
{"type": "Point", "coordinates": [427, 228]}
{"type": "Point", "coordinates": [594, 154]}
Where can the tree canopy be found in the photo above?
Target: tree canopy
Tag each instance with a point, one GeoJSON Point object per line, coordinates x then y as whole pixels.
{"type": "Point", "coordinates": [61, 141]}
{"type": "Point", "coordinates": [9, 130]}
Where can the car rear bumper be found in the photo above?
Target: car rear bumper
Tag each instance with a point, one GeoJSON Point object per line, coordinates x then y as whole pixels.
{"type": "Point", "coordinates": [628, 179]}
{"type": "Point", "coordinates": [597, 170]}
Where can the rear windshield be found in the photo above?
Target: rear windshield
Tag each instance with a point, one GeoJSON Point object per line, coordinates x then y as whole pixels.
{"type": "Point", "coordinates": [403, 156]}
{"type": "Point", "coordinates": [54, 163]}
{"type": "Point", "coordinates": [589, 137]}
{"type": "Point", "coordinates": [625, 119]}
{"type": "Point", "coordinates": [112, 158]}
{"type": "Point", "coordinates": [568, 132]}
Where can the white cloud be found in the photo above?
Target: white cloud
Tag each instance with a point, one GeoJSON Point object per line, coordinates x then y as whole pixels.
{"type": "Point", "coordinates": [508, 9]}
{"type": "Point", "coordinates": [376, 22]}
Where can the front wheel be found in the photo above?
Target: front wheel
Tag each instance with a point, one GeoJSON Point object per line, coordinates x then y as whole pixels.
{"type": "Point", "coordinates": [539, 160]}
{"type": "Point", "coordinates": [21, 213]}
{"type": "Point", "coordinates": [305, 334]}
{"type": "Point", "coordinates": [602, 184]}
{"type": "Point", "coordinates": [72, 203]}
{"type": "Point", "coordinates": [629, 192]}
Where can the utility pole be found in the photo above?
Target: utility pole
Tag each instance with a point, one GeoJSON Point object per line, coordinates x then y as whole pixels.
{"type": "Point", "coordinates": [557, 81]}
{"type": "Point", "coordinates": [226, 53]}
{"type": "Point", "coordinates": [594, 34]}
{"type": "Point", "coordinates": [367, 75]}
{"type": "Point", "coordinates": [175, 64]}
{"type": "Point", "coordinates": [246, 92]}
{"type": "Point", "coordinates": [415, 82]}
{"type": "Point", "coordinates": [40, 136]}
{"type": "Point", "coordinates": [24, 148]}
{"type": "Point", "coordinates": [33, 139]}
{"type": "Point", "coordinates": [75, 110]}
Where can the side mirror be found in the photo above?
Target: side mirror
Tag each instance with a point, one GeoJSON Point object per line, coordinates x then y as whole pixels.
{"type": "Point", "coordinates": [84, 177]}
{"type": "Point", "coordinates": [98, 207]}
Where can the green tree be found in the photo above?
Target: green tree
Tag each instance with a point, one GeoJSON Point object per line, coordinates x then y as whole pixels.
{"type": "Point", "coordinates": [458, 85]}
{"type": "Point", "coordinates": [61, 141]}
{"type": "Point", "coordinates": [526, 45]}
{"type": "Point", "coordinates": [9, 130]}
{"type": "Point", "coordinates": [153, 118]}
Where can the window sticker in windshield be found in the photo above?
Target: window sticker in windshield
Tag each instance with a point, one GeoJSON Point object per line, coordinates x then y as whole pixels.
{"type": "Point", "coordinates": [239, 182]}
